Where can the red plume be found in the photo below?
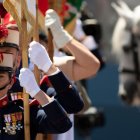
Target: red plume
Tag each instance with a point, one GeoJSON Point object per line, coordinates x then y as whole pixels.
{"type": "Point", "coordinates": [3, 33]}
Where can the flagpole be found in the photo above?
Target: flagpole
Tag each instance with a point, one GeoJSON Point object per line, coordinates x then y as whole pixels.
{"type": "Point", "coordinates": [24, 44]}
{"type": "Point", "coordinates": [51, 53]}
{"type": "Point", "coordinates": [36, 70]}
{"type": "Point", "coordinates": [36, 38]}
{"type": "Point", "coordinates": [50, 37]}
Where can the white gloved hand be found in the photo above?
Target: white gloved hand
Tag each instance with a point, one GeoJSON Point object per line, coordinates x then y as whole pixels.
{"type": "Point", "coordinates": [52, 22]}
{"type": "Point", "coordinates": [39, 56]}
{"type": "Point", "coordinates": [27, 80]}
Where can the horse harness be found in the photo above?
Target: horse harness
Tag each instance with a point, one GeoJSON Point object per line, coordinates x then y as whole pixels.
{"type": "Point", "coordinates": [134, 48]}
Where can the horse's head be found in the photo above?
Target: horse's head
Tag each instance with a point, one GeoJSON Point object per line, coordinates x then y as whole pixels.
{"type": "Point", "coordinates": [126, 46]}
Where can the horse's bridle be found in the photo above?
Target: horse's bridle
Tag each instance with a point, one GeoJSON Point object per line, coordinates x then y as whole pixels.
{"type": "Point", "coordinates": [133, 47]}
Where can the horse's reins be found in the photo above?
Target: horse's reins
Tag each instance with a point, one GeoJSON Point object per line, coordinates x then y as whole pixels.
{"type": "Point", "coordinates": [133, 48]}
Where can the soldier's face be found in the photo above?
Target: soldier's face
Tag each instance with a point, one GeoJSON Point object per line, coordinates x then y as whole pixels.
{"type": "Point", "coordinates": [16, 55]}
{"type": "Point", "coordinates": [5, 83]}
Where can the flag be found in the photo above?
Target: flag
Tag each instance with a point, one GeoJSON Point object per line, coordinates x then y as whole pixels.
{"type": "Point", "coordinates": [43, 5]}
{"type": "Point", "coordinates": [66, 9]}
{"type": "Point", "coordinates": [72, 7]}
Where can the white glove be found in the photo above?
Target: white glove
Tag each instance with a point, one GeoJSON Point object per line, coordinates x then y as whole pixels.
{"type": "Point", "coordinates": [27, 80]}
{"type": "Point", "coordinates": [39, 56]}
{"type": "Point", "coordinates": [52, 22]}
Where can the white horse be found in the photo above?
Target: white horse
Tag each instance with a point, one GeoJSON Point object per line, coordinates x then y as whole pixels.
{"type": "Point", "coordinates": [126, 46]}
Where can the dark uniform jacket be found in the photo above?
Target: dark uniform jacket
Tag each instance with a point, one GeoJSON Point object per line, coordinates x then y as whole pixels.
{"type": "Point", "coordinates": [51, 118]}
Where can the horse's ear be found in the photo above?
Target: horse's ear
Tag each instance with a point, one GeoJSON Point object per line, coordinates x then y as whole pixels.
{"type": "Point", "coordinates": [124, 6]}
{"type": "Point", "coordinates": [124, 11]}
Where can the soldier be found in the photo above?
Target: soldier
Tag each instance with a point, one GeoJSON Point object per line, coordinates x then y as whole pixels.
{"type": "Point", "coordinates": [81, 64]}
{"type": "Point", "coordinates": [47, 115]}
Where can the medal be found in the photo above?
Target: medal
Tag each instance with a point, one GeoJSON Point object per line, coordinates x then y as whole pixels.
{"type": "Point", "coordinates": [13, 124]}
{"type": "Point", "coordinates": [7, 123]}
{"type": "Point", "coordinates": [20, 95]}
{"type": "Point", "coordinates": [19, 120]}
{"type": "Point", "coordinates": [9, 126]}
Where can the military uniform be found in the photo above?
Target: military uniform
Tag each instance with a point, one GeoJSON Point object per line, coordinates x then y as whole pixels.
{"type": "Point", "coordinates": [66, 94]}
{"type": "Point", "coordinates": [42, 119]}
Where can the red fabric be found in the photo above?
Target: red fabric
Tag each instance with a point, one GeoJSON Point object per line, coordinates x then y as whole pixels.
{"type": "Point", "coordinates": [8, 19]}
{"type": "Point", "coordinates": [45, 80]}
{"type": "Point", "coordinates": [14, 77]}
{"type": "Point", "coordinates": [63, 9]}
{"type": "Point", "coordinates": [43, 6]}
{"type": "Point", "coordinates": [33, 102]}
